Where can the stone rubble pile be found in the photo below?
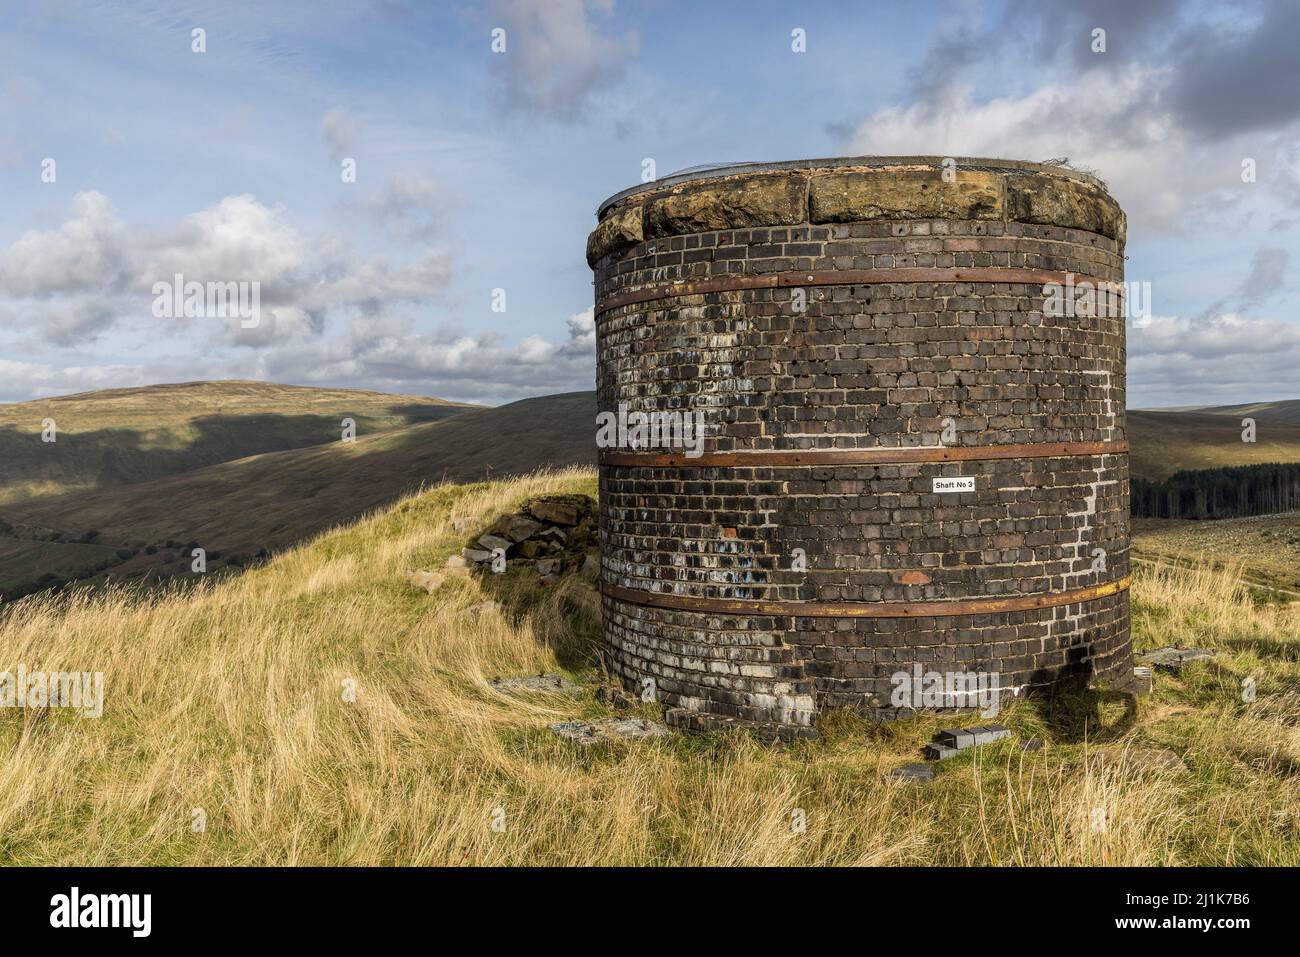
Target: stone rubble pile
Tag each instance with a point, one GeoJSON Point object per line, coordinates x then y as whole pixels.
{"type": "Point", "coordinates": [610, 729]}
{"type": "Point", "coordinates": [552, 536]}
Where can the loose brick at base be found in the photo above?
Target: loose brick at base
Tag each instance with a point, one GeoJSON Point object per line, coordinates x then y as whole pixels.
{"type": "Point", "coordinates": [865, 366]}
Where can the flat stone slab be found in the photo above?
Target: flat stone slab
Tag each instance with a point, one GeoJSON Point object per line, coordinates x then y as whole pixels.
{"type": "Point", "coordinates": [491, 542]}
{"type": "Point", "coordinates": [552, 684]}
{"type": "Point", "coordinates": [517, 527]}
{"type": "Point", "coordinates": [1175, 659]}
{"type": "Point", "coordinates": [558, 513]}
{"type": "Point", "coordinates": [960, 739]}
{"type": "Point", "coordinates": [940, 752]}
{"type": "Point", "coordinates": [610, 729]}
{"type": "Point", "coordinates": [913, 772]}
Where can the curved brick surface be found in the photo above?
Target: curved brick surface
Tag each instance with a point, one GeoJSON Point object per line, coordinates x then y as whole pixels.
{"type": "Point", "coordinates": [864, 365]}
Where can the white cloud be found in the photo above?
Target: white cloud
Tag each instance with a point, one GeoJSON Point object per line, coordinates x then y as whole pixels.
{"type": "Point", "coordinates": [408, 206]}
{"type": "Point", "coordinates": [1104, 122]}
{"type": "Point", "coordinates": [237, 240]}
{"type": "Point", "coordinates": [340, 130]}
{"type": "Point", "coordinates": [27, 380]}
{"type": "Point", "coordinates": [84, 253]}
{"type": "Point", "coordinates": [557, 58]}
{"type": "Point", "coordinates": [1175, 360]}
{"type": "Point", "coordinates": [68, 285]}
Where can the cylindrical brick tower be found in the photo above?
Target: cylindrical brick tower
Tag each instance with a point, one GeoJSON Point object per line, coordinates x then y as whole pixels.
{"type": "Point", "coordinates": [914, 458]}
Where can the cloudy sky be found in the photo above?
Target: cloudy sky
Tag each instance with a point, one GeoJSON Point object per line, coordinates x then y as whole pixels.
{"type": "Point", "coordinates": [479, 171]}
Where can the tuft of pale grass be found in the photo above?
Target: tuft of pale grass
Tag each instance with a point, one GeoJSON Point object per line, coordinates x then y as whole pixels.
{"type": "Point", "coordinates": [229, 698]}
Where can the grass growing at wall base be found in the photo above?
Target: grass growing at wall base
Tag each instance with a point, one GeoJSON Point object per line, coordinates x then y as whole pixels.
{"type": "Point", "coordinates": [228, 698]}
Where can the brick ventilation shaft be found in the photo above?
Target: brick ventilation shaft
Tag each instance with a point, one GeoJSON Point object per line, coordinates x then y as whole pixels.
{"type": "Point", "coordinates": [830, 318]}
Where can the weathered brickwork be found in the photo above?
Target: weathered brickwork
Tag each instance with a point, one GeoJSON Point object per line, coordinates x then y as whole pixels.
{"type": "Point", "coordinates": [782, 670]}
{"type": "Point", "coordinates": [868, 533]}
{"type": "Point", "coordinates": [861, 365]}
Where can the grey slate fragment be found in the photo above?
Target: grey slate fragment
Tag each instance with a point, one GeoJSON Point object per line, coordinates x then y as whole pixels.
{"type": "Point", "coordinates": [958, 738]}
{"type": "Point", "coordinates": [940, 752]}
{"type": "Point", "coordinates": [491, 542]}
{"type": "Point", "coordinates": [990, 733]}
{"type": "Point", "coordinates": [554, 684]}
{"type": "Point", "coordinates": [913, 772]}
{"type": "Point", "coordinates": [1175, 659]}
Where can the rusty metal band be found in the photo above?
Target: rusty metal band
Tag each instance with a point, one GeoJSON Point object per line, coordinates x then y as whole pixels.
{"type": "Point", "coordinates": [851, 609]}
{"type": "Point", "coordinates": [848, 277]}
{"type": "Point", "coordinates": [924, 453]}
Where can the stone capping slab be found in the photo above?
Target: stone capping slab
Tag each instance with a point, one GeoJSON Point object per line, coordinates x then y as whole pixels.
{"type": "Point", "coordinates": [854, 189]}
{"type": "Point", "coordinates": [841, 162]}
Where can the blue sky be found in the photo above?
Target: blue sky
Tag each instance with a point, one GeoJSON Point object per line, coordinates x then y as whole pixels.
{"type": "Point", "coordinates": [479, 170]}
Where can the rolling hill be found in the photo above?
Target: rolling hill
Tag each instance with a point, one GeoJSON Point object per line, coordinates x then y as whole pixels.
{"type": "Point", "coordinates": [1286, 409]}
{"type": "Point", "coordinates": [243, 509]}
{"type": "Point", "coordinates": [122, 436]}
{"type": "Point", "coordinates": [1164, 441]}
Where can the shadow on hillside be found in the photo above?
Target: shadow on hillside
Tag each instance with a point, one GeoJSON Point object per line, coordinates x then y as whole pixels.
{"type": "Point", "coordinates": [107, 458]}
{"type": "Point", "coordinates": [1075, 712]}
{"type": "Point", "coordinates": [546, 590]}
{"type": "Point", "coordinates": [564, 616]}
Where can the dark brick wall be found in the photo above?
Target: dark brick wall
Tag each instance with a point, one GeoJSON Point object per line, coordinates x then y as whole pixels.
{"type": "Point", "coordinates": [865, 366]}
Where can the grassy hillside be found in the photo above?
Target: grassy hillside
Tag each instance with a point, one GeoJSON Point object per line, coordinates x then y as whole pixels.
{"type": "Point", "coordinates": [228, 699]}
{"type": "Point", "coordinates": [1164, 442]}
{"type": "Point", "coordinates": [1287, 410]}
{"type": "Point", "coordinates": [1263, 549]}
{"type": "Point", "coordinates": [239, 509]}
{"type": "Point", "coordinates": [120, 436]}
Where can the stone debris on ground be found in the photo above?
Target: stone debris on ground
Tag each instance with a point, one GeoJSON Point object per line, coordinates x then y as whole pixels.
{"type": "Point", "coordinates": [493, 542]}
{"type": "Point", "coordinates": [1144, 759]}
{"type": "Point", "coordinates": [554, 512]}
{"type": "Point", "coordinates": [553, 536]}
{"type": "Point", "coordinates": [1033, 744]}
{"type": "Point", "coordinates": [1143, 680]}
{"type": "Point", "coordinates": [615, 697]}
{"type": "Point", "coordinates": [912, 772]}
{"type": "Point", "coordinates": [959, 739]}
{"type": "Point", "coordinates": [482, 608]}
{"type": "Point", "coordinates": [547, 683]}
{"type": "Point", "coordinates": [427, 580]}
{"type": "Point", "coordinates": [1175, 659]}
{"type": "Point", "coordinates": [610, 729]}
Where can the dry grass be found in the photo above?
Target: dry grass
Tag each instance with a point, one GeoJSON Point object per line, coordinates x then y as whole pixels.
{"type": "Point", "coordinates": [228, 698]}
{"type": "Point", "coordinates": [1264, 548]}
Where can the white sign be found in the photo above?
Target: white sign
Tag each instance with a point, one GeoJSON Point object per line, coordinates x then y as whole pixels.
{"type": "Point", "coordinates": [954, 484]}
